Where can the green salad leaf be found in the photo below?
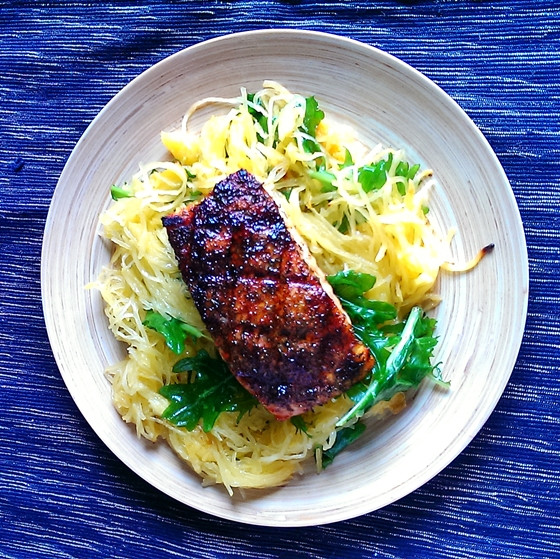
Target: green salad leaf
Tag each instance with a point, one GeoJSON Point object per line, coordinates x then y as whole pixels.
{"type": "Point", "coordinates": [405, 172]}
{"type": "Point", "coordinates": [373, 177]}
{"type": "Point", "coordinates": [118, 192]}
{"type": "Point", "coordinates": [344, 437]}
{"type": "Point", "coordinates": [311, 119]}
{"type": "Point", "coordinates": [403, 350]}
{"type": "Point", "coordinates": [174, 331]}
{"type": "Point", "coordinates": [299, 423]}
{"type": "Point", "coordinates": [348, 161]}
{"type": "Point", "coordinates": [326, 179]}
{"type": "Point", "coordinates": [258, 116]}
{"type": "Point", "coordinates": [212, 390]}
{"type": "Point", "coordinates": [313, 115]}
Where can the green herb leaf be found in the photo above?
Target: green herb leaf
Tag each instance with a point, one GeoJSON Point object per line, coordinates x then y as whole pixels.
{"type": "Point", "coordinates": [344, 224]}
{"type": "Point", "coordinates": [299, 423]}
{"type": "Point", "coordinates": [413, 170]}
{"type": "Point", "coordinates": [366, 310]}
{"type": "Point", "coordinates": [174, 331]}
{"type": "Point", "coordinates": [190, 174]}
{"type": "Point", "coordinates": [258, 117]}
{"type": "Point", "coordinates": [372, 177]}
{"type": "Point", "coordinates": [348, 161]}
{"type": "Point", "coordinates": [349, 287]}
{"type": "Point", "coordinates": [193, 195]}
{"type": "Point", "coordinates": [313, 115]}
{"type": "Point", "coordinates": [118, 192]}
{"type": "Point", "coordinates": [286, 192]}
{"type": "Point", "coordinates": [350, 284]}
{"type": "Point", "coordinates": [401, 187]}
{"type": "Point", "coordinates": [311, 119]}
{"type": "Point", "coordinates": [403, 350]}
{"type": "Point", "coordinates": [384, 377]}
{"type": "Point", "coordinates": [344, 437]}
{"type": "Point", "coordinates": [212, 390]}
{"type": "Point", "coordinates": [312, 146]}
{"type": "Point", "coordinates": [405, 172]}
{"type": "Point", "coordinates": [402, 169]}
{"type": "Point", "coordinates": [326, 179]}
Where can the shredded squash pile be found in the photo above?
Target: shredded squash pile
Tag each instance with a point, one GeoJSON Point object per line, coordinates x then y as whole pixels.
{"type": "Point", "coordinates": [327, 185]}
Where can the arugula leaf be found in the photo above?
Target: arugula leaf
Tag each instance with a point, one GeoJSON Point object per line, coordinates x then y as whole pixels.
{"type": "Point", "coordinates": [403, 350]}
{"type": "Point", "coordinates": [348, 161]}
{"type": "Point", "coordinates": [366, 310]}
{"type": "Point", "coordinates": [118, 192]}
{"type": "Point", "coordinates": [258, 117]}
{"type": "Point", "coordinates": [366, 314]}
{"type": "Point", "coordinates": [413, 170]}
{"type": "Point", "coordinates": [212, 390]}
{"type": "Point", "coordinates": [350, 284]}
{"type": "Point", "coordinates": [373, 177]}
{"type": "Point", "coordinates": [326, 178]}
{"type": "Point", "coordinates": [407, 173]}
{"type": "Point", "coordinates": [344, 437]}
{"type": "Point", "coordinates": [383, 382]}
{"type": "Point", "coordinates": [174, 331]}
{"type": "Point", "coordinates": [312, 117]}
{"type": "Point", "coordinates": [344, 224]}
{"type": "Point", "coordinates": [299, 423]}
{"type": "Point", "coordinates": [190, 174]}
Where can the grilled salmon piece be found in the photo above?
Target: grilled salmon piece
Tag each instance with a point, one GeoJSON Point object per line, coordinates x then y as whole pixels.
{"type": "Point", "coordinates": [270, 310]}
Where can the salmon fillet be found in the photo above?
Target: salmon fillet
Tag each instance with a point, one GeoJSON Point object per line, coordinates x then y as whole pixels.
{"type": "Point", "coordinates": [271, 312]}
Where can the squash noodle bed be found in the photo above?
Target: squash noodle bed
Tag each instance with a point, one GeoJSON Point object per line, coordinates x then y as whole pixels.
{"type": "Point", "coordinates": [384, 232]}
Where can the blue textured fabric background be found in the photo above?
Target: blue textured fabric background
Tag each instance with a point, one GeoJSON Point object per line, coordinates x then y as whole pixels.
{"type": "Point", "coordinates": [62, 493]}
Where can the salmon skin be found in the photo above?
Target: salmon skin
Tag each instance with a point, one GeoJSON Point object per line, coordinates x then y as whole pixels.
{"type": "Point", "coordinates": [271, 312]}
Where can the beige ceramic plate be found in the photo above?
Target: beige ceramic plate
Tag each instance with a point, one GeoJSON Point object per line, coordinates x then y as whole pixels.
{"type": "Point", "coordinates": [481, 318]}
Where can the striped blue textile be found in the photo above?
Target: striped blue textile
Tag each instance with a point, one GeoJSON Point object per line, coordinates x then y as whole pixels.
{"type": "Point", "coordinates": [62, 493]}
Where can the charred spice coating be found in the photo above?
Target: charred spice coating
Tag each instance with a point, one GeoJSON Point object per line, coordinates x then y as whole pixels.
{"type": "Point", "coordinates": [270, 312]}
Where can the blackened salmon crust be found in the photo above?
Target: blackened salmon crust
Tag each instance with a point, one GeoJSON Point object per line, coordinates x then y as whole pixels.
{"type": "Point", "coordinates": [283, 335]}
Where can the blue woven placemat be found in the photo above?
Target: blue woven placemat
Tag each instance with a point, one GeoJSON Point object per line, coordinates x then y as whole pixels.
{"type": "Point", "coordinates": [62, 493]}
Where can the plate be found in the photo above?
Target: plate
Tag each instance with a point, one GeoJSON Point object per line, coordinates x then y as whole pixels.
{"type": "Point", "coordinates": [481, 319]}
